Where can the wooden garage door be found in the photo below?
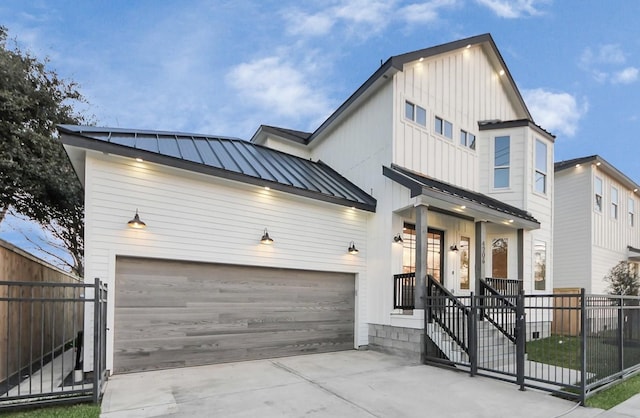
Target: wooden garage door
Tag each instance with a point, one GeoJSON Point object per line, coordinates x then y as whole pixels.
{"type": "Point", "coordinates": [174, 314]}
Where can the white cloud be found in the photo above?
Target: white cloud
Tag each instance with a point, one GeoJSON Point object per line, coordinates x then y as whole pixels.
{"type": "Point", "coordinates": [301, 23]}
{"type": "Point", "coordinates": [277, 85]}
{"type": "Point", "coordinates": [626, 76]}
{"type": "Point", "coordinates": [604, 54]}
{"type": "Point", "coordinates": [370, 12]}
{"type": "Point", "coordinates": [555, 112]}
{"type": "Point", "coordinates": [424, 12]}
{"type": "Point", "coordinates": [512, 9]}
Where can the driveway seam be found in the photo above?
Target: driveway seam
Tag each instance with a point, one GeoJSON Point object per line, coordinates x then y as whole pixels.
{"type": "Point", "coordinates": [323, 388]}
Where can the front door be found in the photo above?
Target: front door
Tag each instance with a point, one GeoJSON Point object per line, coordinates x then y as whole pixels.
{"type": "Point", "coordinates": [435, 251]}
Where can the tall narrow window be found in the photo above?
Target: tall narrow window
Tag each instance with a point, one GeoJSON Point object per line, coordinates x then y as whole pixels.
{"type": "Point", "coordinates": [597, 191]}
{"type": "Point", "coordinates": [541, 167]}
{"type": "Point", "coordinates": [435, 253]}
{"type": "Point", "coordinates": [501, 161]}
{"type": "Point", "coordinates": [464, 262]}
{"type": "Point", "coordinates": [632, 210]}
{"type": "Point", "coordinates": [499, 258]}
{"type": "Point", "coordinates": [614, 203]}
{"type": "Point", "coordinates": [540, 266]}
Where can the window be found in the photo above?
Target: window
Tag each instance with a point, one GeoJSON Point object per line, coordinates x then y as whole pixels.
{"type": "Point", "coordinates": [614, 203]}
{"type": "Point", "coordinates": [467, 139]}
{"type": "Point", "coordinates": [540, 266]}
{"type": "Point", "coordinates": [464, 262]}
{"type": "Point", "coordinates": [541, 167]}
{"type": "Point", "coordinates": [435, 251]}
{"type": "Point", "coordinates": [597, 190]}
{"type": "Point", "coordinates": [444, 127]}
{"type": "Point", "coordinates": [501, 160]}
{"type": "Point", "coordinates": [499, 258]}
{"type": "Point", "coordinates": [632, 210]}
{"type": "Point", "coordinates": [415, 113]}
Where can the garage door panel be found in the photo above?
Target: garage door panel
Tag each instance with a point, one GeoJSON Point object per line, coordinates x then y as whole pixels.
{"type": "Point", "coordinates": [175, 314]}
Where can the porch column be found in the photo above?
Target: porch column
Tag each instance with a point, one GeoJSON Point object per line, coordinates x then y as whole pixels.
{"type": "Point", "coordinates": [480, 270]}
{"type": "Point", "coordinates": [422, 228]}
{"type": "Point", "coordinates": [521, 256]}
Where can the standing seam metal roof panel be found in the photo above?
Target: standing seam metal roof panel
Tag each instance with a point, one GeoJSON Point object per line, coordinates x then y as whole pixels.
{"type": "Point", "coordinates": [229, 158]}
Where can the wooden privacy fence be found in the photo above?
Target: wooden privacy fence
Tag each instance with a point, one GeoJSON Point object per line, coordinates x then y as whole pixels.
{"type": "Point", "coordinates": [40, 328]}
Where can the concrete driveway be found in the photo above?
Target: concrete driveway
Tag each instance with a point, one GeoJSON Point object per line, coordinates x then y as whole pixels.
{"type": "Point", "coordinates": [342, 384]}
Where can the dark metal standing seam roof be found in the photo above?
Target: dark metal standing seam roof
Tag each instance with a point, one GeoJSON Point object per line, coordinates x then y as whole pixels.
{"type": "Point", "coordinates": [224, 157]}
{"type": "Point", "coordinates": [417, 183]}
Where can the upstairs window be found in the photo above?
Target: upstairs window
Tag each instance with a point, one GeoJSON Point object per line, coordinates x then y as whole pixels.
{"type": "Point", "coordinates": [467, 139]}
{"type": "Point", "coordinates": [501, 162]}
{"type": "Point", "coordinates": [444, 128]}
{"type": "Point", "coordinates": [415, 113]}
{"type": "Point", "coordinates": [597, 191]}
{"type": "Point", "coordinates": [541, 167]}
{"type": "Point", "coordinates": [614, 203]}
{"type": "Point", "coordinates": [632, 210]}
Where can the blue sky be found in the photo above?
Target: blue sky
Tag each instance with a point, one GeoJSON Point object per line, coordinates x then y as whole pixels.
{"type": "Point", "coordinates": [225, 67]}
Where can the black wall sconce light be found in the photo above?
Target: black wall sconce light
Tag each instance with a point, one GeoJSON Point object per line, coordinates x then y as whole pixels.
{"type": "Point", "coordinates": [454, 248]}
{"type": "Point", "coordinates": [136, 223]}
{"type": "Point", "coordinates": [352, 248]}
{"type": "Point", "coordinates": [398, 238]}
{"type": "Point", "coordinates": [266, 239]}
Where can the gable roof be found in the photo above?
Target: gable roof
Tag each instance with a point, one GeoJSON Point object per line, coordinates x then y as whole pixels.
{"type": "Point", "coordinates": [229, 158]}
{"type": "Point", "coordinates": [603, 165]}
{"type": "Point", "coordinates": [422, 185]}
{"type": "Point", "coordinates": [296, 136]}
{"type": "Point", "coordinates": [396, 63]}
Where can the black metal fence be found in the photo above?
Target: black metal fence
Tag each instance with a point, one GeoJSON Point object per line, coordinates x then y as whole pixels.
{"type": "Point", "coordinates": [571, 344]}
{"type": "Point", "coordinates": [403, 290]}
{"type": "Point", "coordinates": [42, 335]}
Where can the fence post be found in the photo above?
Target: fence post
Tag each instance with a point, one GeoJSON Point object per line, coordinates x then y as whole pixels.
{"type": "Point", "coordinates": [521, 338]}
{"type": "Point", "coordinates": [96, 340]}
{"type": "Point", "coordinates": [583, 346]}
{"type": "Point", "coordinates": [473, 336]}
{"type": "Point", "coordinates": [621, 333]}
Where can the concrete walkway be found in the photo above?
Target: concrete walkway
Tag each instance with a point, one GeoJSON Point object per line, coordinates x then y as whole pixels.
{"type": "Point", "coordinates": [343, 384]}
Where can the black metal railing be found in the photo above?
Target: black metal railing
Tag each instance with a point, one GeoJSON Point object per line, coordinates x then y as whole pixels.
{"type": "Point", "coordinates": [505, 286]}
{"type": "Point", "coordinates": [447, 310]}
{"type": "Point", "coordinates": [42, 329]}
{"type": "Point", "coordinates": [499, 309]}
{"type": "Point", "coordinates": [404, 286]}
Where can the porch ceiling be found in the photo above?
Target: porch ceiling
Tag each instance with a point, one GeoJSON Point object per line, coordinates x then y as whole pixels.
{"type": "Point", "coordinates": [463, 203]}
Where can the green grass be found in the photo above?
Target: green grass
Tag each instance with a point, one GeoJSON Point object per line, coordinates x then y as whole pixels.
{"type": "Point", "coordinates": [615, 395]}
{"type": "Point", "coordinates": [66, 411]}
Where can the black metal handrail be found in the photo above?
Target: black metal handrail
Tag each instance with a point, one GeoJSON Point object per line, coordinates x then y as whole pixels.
{"type": "Point", "coordinates": [404, 286]}
{"type": "Point", "coordinates": [445, 309]}
{"type": "Point", "coordinates": [499, 309]}
{"type": "Point", "coordinates": [505, 286]}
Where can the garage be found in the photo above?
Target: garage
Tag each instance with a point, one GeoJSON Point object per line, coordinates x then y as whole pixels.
{"type": "Point", "coordinates": [174, 314]}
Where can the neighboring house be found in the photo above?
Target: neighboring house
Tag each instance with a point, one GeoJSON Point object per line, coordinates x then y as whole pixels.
{"type": "Point", "coordinates": [595, 223]}
{"type": "Point", "coordinates": [433, 166]}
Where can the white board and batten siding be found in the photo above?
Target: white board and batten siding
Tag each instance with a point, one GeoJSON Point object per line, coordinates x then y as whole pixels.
{"type": "Point", "coordinates": [194, 217]}
{"type": "Point", "coordinates": [461, 87]}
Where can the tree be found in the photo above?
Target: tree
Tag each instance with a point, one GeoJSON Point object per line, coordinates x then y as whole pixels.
{"type": "Point", "coordinates": [623, 280]}
{"type": "Point", "coordinates": [36, 177]}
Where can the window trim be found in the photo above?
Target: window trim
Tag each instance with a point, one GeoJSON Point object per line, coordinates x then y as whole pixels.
{"type": "Point", "coordinates": [414, 113]}
{"type": "Point", "coordinates": [615, 205]}
{"type": "Point", "coordinates": [501, 167]}
{"type": "Point", "coordinates": [538, 171]}
{"type": "Point", "coordinates": [443, 124]}
{"type": "Point", "coordinates": [597, 205]}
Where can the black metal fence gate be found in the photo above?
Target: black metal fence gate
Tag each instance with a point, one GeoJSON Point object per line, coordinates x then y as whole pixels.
{"type": "Point", "coordinates": [42, 334]}
{"type": "Point", "coordinates": [571, 344]}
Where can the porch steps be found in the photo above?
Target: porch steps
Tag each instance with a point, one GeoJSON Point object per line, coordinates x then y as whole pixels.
{"type": "Point", "coordinates": [494, 349]}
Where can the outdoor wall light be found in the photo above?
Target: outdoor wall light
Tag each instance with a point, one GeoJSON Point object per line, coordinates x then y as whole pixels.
{"type": "Point", "coordinates": [352, 248]}
{"type": "Point", "coordinates": [398, 239]}
{"type": "Point", "coordinates": [266, 239]}
{"type": "Point", "coordinates": [136, 223]}
{"type": "Point", "coordinates": [454, 248]}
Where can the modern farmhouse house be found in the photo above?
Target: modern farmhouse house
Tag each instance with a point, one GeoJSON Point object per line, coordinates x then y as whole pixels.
{"type": "Point", "coordinates": [301, 242]}
{"type": "Point", "coordinates": [595, 223]}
